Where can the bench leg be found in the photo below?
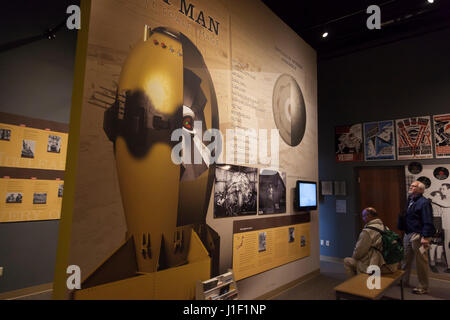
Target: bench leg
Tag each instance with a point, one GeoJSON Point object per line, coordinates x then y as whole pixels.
{"type": "Point", "coordinates": [401, 289]}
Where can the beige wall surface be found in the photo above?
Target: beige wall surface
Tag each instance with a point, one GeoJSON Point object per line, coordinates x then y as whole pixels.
{"type": "Point", "coordinates": [251, 49]}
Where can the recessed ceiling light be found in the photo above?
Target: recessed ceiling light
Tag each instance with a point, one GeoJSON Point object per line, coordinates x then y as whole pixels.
{"type": "Point", "coordinates": [325, 34]}
{"type": "Point", "coordinates": [430, 1]}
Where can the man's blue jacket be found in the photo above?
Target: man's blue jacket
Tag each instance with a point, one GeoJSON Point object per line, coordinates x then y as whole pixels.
{"type": "Point", "coordinates": [418, 217]}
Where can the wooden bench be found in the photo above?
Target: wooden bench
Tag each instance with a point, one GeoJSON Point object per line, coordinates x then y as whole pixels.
{"type": "Point", "coordinates": [356, 287]}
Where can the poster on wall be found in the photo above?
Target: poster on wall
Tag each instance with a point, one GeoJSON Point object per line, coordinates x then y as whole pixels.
{"type": "Point", "coordinates": [414, 138]}
{"type": "Point", "coordinates": [25, 147]}
{"type": "Point", "coordinates": [235, 191]}
{"type": "Point", "coordinates": [349, 143]}
{"type": "Point", "coordinates": [379, 141]}
{"type": "Point", "coordinates": [166, 73]}
{"type": "Point", "coordinates": [437, 189]}
{"type": "Point", "coordinates": [272, 192]}
{"type": "Point", "coordinates": [30, 199]}
{"type": "Point", "coordinates": [442, 135]}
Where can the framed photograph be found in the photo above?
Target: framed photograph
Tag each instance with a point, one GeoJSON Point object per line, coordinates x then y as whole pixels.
{"type": "Point", "coordinates": [39, 198]}
{"type": "Point", "coordinates": [5, 134]}
{"type": "Point", "coordinates": [414, 138]}
{"type": "Point", "coordinates": [54, 144]}
{"type": "Point", "coordinates": [291, 234]}
{"type": "Point", "coordinates": [349, 143]}
{"type": "Point", "coordinates": [272, 192]}
{"type": "Point", "coordinates": [340, 188]}
{"type": "Point", "coordinates": [14, 197]}
{"type": "Point", "coordinates": [442, 135]}
{"type": "Point", "coordinates": [235, 191]}
{"type": "Point", "coordinates": [262, 241]}
{"type": "Point", "coordinates": [379, 141]}
{"type": "Point", "coordinates": [28, 148]}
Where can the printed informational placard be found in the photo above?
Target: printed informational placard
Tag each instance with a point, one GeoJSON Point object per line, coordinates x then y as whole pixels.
{"type": "Point", "coordinates": [257, 248]}
{"type": "Point", "coordinates": [379, 142]}
{"type": "Point", "coordinates": [349, 143]}
{"type": "Point", "coordinates": [442, 135]}
{"type": "Point", "coordinates": [414, 138]}
{"type": "Point", "coordinates": [326, 188]}
{"type": "Point", "coordinates": [24, 147]}
{"type": "Point", "coordinates": [30, 199]}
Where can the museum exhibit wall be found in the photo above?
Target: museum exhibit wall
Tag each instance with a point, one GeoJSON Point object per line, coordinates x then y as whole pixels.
{"type": "Point", "coordinates": [246, 49]}
{"type": "Point", "coordinates": [36, 82]}
{"type": "Point", "coordinates": [404, 79]}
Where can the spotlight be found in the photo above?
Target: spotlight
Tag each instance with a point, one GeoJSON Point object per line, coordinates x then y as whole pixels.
{"type": "Point", "coordinates": [325, 34]}
{"type": "Point", "coordinates": [430, 1]}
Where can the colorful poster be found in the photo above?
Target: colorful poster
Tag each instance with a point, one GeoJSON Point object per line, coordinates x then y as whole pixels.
{"type": "Point", "coordinates": [379, 142]}
{"type": "Point", "coordinates": [25, 147]}
{"type": "Point", "coordinates": [348, 141]}
{"type": "Point", "coordinates": [437, 190]}
{"type": "Point", "coordinates": [414, 139]}
{"type": "Point", "coordinates": [30, 199]}
{"type": "Point", "coordinates": [442, 135]}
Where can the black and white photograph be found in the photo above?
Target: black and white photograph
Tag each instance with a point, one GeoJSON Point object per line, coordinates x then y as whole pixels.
{"type": "Point", "coordinates": [14, 197]}
{"type": "Point", "coordinates": [54, 144]}
{"type": "Point", "coordinates": [302, 241]}
{"type": "Point", "coordinates": [262, 241]}
{"type": "Point", "coordinates": [5, 134]}
{"type": "Point", "coordinates": [60, 190]}
{"type": "Point", "coordinates": [272, 192]}
{"type": "Point", "coordinates": [28, 147]}
{"type": "Point", "coordinates": [39, 198]}
{"type": "Point", "coordinates": [235, 191]}
{"type": "Point", "coordinates": [291, 234]}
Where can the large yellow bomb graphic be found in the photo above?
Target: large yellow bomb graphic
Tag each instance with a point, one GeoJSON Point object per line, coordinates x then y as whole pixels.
{"type": "Point", "coordinates": [164, 86]}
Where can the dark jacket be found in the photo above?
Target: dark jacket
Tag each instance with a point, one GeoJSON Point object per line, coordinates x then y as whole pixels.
{"type": "Point", "coordinates": [418, 217]}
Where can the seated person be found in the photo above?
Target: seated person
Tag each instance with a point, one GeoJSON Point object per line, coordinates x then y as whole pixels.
{"type": "Point", "coordinates": [368, 249]}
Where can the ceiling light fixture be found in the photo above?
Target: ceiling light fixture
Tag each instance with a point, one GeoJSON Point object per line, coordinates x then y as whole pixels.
{"type": "Point", "coordinates": [325, 34]}
{"type": "Point", "coordinates": [430, 1]}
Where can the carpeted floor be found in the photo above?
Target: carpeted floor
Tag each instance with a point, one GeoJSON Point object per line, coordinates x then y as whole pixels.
{"type": "Point", "coordinates": [332, 274]}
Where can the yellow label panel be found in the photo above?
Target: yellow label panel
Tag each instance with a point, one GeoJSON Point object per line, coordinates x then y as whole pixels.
{"type": "Point", "coordinates": [30, 200]}
{"type": "Point", "coordinates": [258, 251]}
{"type": "Point", "coordinates": [25, 147]}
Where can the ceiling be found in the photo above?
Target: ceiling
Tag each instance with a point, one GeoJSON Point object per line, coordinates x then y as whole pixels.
{"type": "Point", "coordinates": [345, 22]}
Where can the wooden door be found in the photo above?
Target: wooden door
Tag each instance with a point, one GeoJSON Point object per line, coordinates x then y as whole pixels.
{"type": "Point", "coordinates": [384, 189]}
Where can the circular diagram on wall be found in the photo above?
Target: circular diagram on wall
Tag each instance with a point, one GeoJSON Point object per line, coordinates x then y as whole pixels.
{"type": "Point", "coordinates": [440, 173]}
{"type": "Point", "coordinates": [289, 110]}
{"type": "Point", "coordinates": [425, 181]}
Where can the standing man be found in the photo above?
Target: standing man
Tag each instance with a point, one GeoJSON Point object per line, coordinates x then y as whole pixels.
{"type": "Point", "coordinates": [419, 228]}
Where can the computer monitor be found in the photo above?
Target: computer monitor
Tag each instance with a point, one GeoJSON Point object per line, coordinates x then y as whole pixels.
{"type": "Point", "coordinates": [305, 196]}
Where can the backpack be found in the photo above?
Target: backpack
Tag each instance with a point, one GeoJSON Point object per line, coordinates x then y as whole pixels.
{"type": "Point", "coordinates": [392, 245]}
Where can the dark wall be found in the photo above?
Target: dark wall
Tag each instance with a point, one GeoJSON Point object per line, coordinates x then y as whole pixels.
{"type": "Point", "coordinates": [402, 79]}
{"type": "Point", "coordinates": [36, 81]}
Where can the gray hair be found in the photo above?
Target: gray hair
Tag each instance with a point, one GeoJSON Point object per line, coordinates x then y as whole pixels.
{"type": "Point", "coordinates": [421, 186]}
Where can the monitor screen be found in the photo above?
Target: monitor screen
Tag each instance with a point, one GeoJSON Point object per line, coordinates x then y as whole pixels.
{"type": "Point", "coordinates": [306, 195]}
